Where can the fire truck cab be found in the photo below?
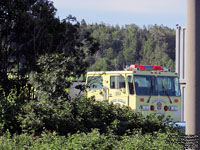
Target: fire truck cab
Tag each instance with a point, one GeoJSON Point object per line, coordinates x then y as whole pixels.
{"type": "Point", "coordinates": [143, 88]}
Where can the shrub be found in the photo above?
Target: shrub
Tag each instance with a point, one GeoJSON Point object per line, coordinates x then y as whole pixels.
{"type": "Point", "coordinates": [89, 141]}
{"type": "Point", "coordinates": [84, 114]}
{"type": "Point", "coordinates": [10, 107]}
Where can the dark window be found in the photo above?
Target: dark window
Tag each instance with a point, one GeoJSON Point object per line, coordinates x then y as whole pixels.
{"type": "Point", "coordinates": [145, 85]}
{"type": "Point", "coordinates": [168, 86]}
{"type": "Point", "coordinates": [94, 82]}
{"type": "Point", "coordinates": [117, 82]}
{"type": "Point", "coordinates": [130, 84]}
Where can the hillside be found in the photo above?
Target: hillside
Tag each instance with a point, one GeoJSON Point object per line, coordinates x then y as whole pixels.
{"type": "Point", "coordinates": [131, 44]}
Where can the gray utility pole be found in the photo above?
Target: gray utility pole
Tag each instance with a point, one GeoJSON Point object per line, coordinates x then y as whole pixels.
{"type": "Point", "coordinates": [193, 68]}
{"type": "Point", "coordinates": [180, 64]}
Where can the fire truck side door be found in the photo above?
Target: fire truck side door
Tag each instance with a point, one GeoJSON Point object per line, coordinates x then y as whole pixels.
{"type": "Point", "coordinates": [95, 87]}
{"type": "Point", "coordinates": [117, 93]}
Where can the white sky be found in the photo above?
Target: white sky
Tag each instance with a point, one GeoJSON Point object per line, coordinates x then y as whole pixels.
{"type": "Point", "coordinates": [122, 12]}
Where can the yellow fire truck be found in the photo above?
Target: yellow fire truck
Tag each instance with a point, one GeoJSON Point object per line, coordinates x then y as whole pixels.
{"type": "Point", "coordinates": [143, 88]}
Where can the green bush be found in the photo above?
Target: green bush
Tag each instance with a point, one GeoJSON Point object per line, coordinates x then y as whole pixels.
{"type": "Point", "coordinates": [84, 114]}
{"type": "Point", "coordinates": [84, 124]}
{"type": "Point", "coordinates": [40, 115]}
{"type": "Point", "coordinates": [10, 108]}
{"type": "Point", "coordinates": [90, 141]}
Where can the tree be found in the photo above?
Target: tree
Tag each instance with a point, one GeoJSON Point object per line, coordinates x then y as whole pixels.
{"type": "Point", "coordinates": [25, 34]}
{"type": "Point", "coordinates": [57, 70]}
{"type": "Point", "coordinates": [36, 44]}
{"type": "Point", "coordinates": [102, 64]}
{"type": "Point", "coordinates": [130, 50]}
{"type": "Point", "coordinates": [32, 30]}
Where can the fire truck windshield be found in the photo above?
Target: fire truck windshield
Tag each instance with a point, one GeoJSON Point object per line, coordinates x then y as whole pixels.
{"type": "Point", "coordinates": [168, 86]}
{"type": "Point", "coordinates": [157, 85]}
{"type": "Point", "coordinates": [145, 85]}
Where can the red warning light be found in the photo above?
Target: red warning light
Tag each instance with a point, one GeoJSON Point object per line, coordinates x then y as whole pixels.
{"type": "Point", "coordinates": [157, 67]}
{"type": "Point", "coordinates": [152, 107]}
{"type": "Point", "coordinates": [146, 67]}
{"type": "Point", "coordinates": [175, 100]}
{"type": "Point", "coordinates": [166, 108]}
{"type": "Point", "coordinates": [142, 100]}
{"type": "Point", "coordinates": [141, 67]}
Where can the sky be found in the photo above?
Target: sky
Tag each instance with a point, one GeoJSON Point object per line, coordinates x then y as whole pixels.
{"type": "Point", "coordinates": [124, 12]}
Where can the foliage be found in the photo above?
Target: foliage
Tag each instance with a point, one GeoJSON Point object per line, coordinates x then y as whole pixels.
{"type": "Point", "coordinates": [83, 114]}
{"type": "Point", "coordinates": [10, 108]}
{"type": "Point", "coordinates": [102, 64]}
{"type": "Point", "coordinates": [29, 30]}
{"type": "Point", "coordinates": [131, 44]}
{"type": "Point", "coordinates": [41, 52]}
{"type": "Point", "coordinates": [92, 140]}
{"type": "Point", "coordinates": [54, 70]}
{"type": "Point", "coordinates": [25, 30]}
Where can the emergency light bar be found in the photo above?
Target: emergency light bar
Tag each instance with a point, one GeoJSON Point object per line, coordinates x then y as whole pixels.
{"type": "Point", "coordinates": [145, 67]}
